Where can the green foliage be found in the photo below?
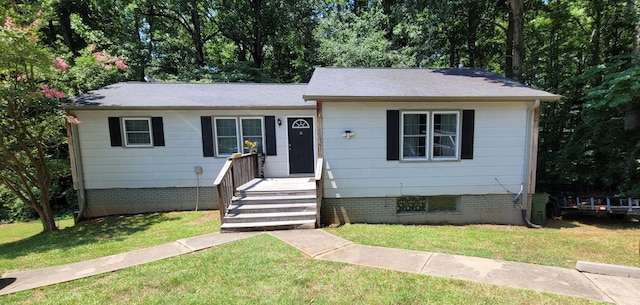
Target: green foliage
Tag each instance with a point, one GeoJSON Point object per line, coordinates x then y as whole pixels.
{"type": "Point", "coordinates": [91, 70]}
{"type": "Point", "coordinates": [33, 154]}
{"type": "Point", "coordinates": [619, 85]}
{"type": "Point", "coordinates": [583, 142]}
{"type": "Point", "coordinates": [12, 209]}
{"type": "Point", "coordinates": [348, 40]}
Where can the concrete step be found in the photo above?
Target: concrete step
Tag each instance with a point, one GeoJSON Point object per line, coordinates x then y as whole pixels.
{"type": "Point", "coordinates": [241, 207]}
{"type": "Point", "coordinates": [268, 217]}
{"type": "Point", "coordinates": [271, 225]}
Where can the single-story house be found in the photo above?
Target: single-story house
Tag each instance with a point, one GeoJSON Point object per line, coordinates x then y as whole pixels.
{"type": "Point", "coordinates": [398, 145]}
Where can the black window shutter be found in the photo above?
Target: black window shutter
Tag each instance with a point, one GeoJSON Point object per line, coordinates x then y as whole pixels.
{"type": "Point", "coordinates": [270, 135]}
{"type": "Point", "coordinates": [468, 122]}
{"type": "Point", "coordinates": [115, 133]}
{"type": "Point", "coordinates": [207, 136]}
{"type": "Point", "coordinates": [158, 131]}
{"type": "Point", "coordinates": [393, 134]}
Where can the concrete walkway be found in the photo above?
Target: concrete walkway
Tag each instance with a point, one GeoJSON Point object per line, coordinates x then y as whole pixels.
{"type": "Point", "coordinates": [319, 244]}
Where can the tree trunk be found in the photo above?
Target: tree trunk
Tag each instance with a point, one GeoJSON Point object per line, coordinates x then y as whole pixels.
{"type": "Point", "coordinates": [596, 34]}
{"type": "Point", "coordinates": [46, 216]}
{"type": "Point", "coordinates": [143, 64]}
{"type": "Point", "coordinates": [44, 185]}
{"type": "Point", "coordinates": [517, 9]}
{"type": "Point", "coordinates": [67, 31]}
{"type": "Point", "coordinates": [196, 36]}
{"type": "Point", "coordinates": [256, 48]}
{"type": "Point", "coordinates": [508, 54]}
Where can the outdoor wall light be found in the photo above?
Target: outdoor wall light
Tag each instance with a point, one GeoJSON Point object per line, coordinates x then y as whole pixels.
{"type": "Point", "coordinates": [279, 122]}
{"type": "Point", "coordinates": [348, 134]}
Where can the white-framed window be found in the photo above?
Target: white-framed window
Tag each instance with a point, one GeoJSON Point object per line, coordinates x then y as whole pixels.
{"type": "Point", "coordinates": [137, 132]}
{"type": "Point", "coordinates": [445, 135]}
{"type": "Point", "coordinates": [430, 135]}
{"type": "Point", "coordinates": [231, 134]}
{"type": "Point", "coordinates": [252, 131]}
{"type": "Point", "coordinates": [414, 135]}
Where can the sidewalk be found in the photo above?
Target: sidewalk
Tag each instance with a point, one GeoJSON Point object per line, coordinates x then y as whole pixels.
{"type": "Point", "coordinates": [318, 244]}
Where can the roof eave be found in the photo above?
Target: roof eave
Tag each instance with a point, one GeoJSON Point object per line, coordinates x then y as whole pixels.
{"type": "Point", "coordinates": [118, 107]}
{"type": "Point", "coordinates": [545, 98]}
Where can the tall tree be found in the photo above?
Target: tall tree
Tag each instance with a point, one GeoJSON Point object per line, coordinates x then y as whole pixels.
{"type": "Point", "coordinates": [517, 30]}
{"type": "Point", "coordinates": [348, 40]}
{"type": "Point", "coordinates": [30, 118]}
{"type": "Point", "coordinates": [196, 18]}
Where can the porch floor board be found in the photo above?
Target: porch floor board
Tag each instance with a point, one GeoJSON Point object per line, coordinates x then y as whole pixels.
{"type": "Point", "coordinates": [279, 184]}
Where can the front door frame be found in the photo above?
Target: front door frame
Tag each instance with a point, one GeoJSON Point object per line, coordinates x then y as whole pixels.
{"type": "Point", "coordinates": [314, 140]}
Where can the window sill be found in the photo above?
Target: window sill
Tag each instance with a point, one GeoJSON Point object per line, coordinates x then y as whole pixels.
{"type": "Point", "coordinates": [428, 160]}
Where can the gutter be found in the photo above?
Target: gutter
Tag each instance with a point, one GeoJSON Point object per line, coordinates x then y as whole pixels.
{"type": "Point", "coordinates": [526, 177]}
{"type": "Point", "coordinates": [77, 171]}
{"type": "Point", "coordinates": [431, 98]}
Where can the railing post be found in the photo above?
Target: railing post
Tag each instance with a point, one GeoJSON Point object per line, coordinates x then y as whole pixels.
{"type": "Point", "coordinates": [256, 166]}
{"type": "Point", "coordinates": [319, 189]}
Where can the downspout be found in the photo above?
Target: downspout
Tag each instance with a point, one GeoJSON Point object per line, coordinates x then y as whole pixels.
{"type": "Point", "coordinates": [524, 191]}
{"type": "Point", "coordinates": [76, 170]}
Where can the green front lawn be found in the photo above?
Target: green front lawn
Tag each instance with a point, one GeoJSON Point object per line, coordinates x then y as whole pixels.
{"type": "Point", "coordinates": [23, 246]}
{"type": "Point", "coordinates": [561, 244]}
{"type": "Point", "coordinates": [264, 270]}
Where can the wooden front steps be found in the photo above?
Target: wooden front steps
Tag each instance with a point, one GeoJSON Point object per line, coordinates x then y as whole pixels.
{"type": "Point", "coordinates": [272, 203]}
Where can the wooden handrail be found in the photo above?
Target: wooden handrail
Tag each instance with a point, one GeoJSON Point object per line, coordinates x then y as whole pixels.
{"type": "Point", "coordinates": [319, 188]}
{"type": "Point", "coordinates": [235, 172]}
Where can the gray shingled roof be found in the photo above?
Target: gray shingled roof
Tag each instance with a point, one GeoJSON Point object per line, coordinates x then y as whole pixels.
{"type": "Point", "coordinates": [183, 95]}
{"type": "Point", "coordinates": [417, 84]}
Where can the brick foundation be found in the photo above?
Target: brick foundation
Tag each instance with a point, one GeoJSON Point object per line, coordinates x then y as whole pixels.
{"type": "Point", "coordinates": [104, 202]}
{"type": "Point", "coordinates": [491, 208]}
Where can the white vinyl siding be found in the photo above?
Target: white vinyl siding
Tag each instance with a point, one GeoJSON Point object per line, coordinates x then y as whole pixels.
{"type": "Point", "coordinates": [358, 167]}
{"type": "Point", "coordinates": [107, 167]}
{"type": "Point", "coordinates": [137, 132]}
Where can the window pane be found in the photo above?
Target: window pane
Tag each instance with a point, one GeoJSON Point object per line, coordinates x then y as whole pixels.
{"type": "Point", "coordinates": [415, 135]}
{"type": "Point", "coordinates": [445, 130]}
{"type": "Point", "coordinates": [415, 124]}
{"type": "Point", "coordinates": [251, 127]}
{"type": "Point", "coordinates": [414, 147]}
{"type": "Point", "coordinates": [226, 127]}
{"type": "Point", "coordinates": [227, 146]}
{"type": "Point", "coordinates": [138, 138]}
{"type": "Point", "coordinates": [252, 131]}
{"type": "Point", "coordinates": [136, 125]}
{"type": "Point", "coordinates": [226, 136]}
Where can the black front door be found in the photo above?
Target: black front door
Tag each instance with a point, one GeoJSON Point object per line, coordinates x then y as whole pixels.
{"type": "Point", "coordinates": [300, 145]}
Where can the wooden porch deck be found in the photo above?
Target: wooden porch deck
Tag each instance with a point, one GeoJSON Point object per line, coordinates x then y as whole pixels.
{"type": "Point", "coordinates": [279, 184]}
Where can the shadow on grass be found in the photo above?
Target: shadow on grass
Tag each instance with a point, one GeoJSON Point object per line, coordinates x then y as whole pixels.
{"type": "Point", "coordinates": [97, 230]}
{"type": "Point", "coordinates": [603, 221]}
